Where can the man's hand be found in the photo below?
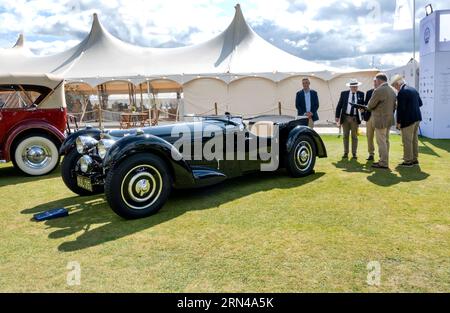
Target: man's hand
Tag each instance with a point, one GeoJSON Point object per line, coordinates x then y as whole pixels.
{"type": "Point", "coordinates": [338, 120]}
{"type": "Point", "coordinates": [309, 114]}
{"type": "Point", "coordinates": [399, 126]}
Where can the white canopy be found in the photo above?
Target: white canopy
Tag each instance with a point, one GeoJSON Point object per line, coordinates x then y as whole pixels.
{"type": "Point", "coordinates": [100, 57]}
{"type": "Point", "coordinates": [237, 70]}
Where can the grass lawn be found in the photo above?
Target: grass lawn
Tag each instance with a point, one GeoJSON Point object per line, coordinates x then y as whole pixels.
{"type": "Point", "coordinates": [261, 233]}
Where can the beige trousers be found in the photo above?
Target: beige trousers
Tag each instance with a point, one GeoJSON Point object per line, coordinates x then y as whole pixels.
{"type": "Point", "coordinates": [350, 124]}
{"type": "Point", "coordinates": [382, 136]}
{"type": "Point", "coordinates": [410, 138]}
{"type": "Point", "coordinates": [310, 123]}
{"type": "Point", "coordinates": [370, 132]}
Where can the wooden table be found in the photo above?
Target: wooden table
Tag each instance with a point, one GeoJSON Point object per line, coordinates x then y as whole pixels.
{"type": "Point", "coordinates": [132, 120]}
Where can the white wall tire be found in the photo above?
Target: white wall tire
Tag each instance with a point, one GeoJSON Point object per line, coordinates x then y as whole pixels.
{"type": "Point", "coordinates": [36, 155]}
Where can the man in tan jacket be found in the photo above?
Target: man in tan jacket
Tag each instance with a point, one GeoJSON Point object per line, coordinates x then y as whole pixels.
{"type": "Point", "coordinates": [382, 106]}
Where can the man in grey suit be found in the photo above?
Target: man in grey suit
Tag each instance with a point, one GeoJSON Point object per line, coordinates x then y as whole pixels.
{"type": "Point", "coordinates": [382, 106]}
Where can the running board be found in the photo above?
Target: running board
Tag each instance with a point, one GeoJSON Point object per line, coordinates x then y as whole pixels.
{"type": "Point", "coordinates": [206, 177]}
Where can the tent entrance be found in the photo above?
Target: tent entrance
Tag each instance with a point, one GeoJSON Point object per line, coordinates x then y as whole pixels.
{"type": "Point", "coordinates": [122, 104]}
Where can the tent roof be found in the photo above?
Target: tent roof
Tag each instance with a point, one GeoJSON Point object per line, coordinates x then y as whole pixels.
{"type": "Point", "coordinates": [47, 80]}
{"type": "Point", "coordinates": [236, 52]}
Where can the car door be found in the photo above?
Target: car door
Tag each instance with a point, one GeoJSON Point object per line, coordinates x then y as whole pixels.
{"type": "Point", "coordinates": [9, 111]}
{"type": "Point", "coordinates": [200, 136]}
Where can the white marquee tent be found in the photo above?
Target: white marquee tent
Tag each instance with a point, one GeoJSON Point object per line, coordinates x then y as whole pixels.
{"type": "Point", "coordinates": [238, 70]}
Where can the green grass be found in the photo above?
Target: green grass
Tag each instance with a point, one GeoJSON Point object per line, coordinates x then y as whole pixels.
{"type": "Point", "coordinates": [260, 233]}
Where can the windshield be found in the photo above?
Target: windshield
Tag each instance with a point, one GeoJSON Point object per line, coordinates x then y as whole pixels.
{"type": "Point", "coordinates": [22, 96]}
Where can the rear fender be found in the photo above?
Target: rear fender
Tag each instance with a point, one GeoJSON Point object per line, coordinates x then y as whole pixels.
{"type": "Point", "coordinates": [303, 130]}
{"type": "Point", "coordinates": [29, 127]}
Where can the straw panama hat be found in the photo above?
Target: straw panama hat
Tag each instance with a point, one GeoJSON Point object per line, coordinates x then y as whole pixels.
{"type": "Point", "coordinates": [396, 79]}
{"type": "Point", "coordinates": [353, 83]}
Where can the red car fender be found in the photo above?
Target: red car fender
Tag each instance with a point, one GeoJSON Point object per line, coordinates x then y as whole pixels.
{"type": "Point", "coordinates": [29, 125]}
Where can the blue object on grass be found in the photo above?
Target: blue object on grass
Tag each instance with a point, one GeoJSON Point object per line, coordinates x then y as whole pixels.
{"type": "Point", "coordinates": [51, 214]}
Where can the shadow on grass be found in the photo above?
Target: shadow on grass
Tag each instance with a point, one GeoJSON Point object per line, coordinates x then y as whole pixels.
{"type": "Point", "coordinates": [11, 176]}
{"type": "Point", "coordinates": [387, 178]}
{"type": "Point", "coordinates": [353, 166]}
{"type": "Point", "coordinates": [427, 143]}
{"type": "Point", "coordinates": [381, 177]}
{"type": "Point", "coordinates": [88, 211]}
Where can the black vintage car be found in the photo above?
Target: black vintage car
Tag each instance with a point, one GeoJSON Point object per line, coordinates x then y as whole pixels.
{"type": "Point", "coordinates": [137, 169]}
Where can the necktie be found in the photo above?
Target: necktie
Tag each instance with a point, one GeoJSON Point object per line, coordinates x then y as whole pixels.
{"type": "Point", "coordinates": [352, 112]}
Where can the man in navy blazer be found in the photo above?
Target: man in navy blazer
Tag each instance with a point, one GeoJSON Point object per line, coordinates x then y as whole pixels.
{"type": "Point", "coordinates": [408, 120]}
{"type": "Point", "coordinates": [307, 102]}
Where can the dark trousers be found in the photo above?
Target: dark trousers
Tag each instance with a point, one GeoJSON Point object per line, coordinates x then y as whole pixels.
{"type": "Point", "coordinates": [350, 125]}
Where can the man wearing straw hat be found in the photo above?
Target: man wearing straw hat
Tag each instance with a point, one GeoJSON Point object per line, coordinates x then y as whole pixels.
{"type": "Point", "coordinates": [349, 116]}
{"type": "Point", "coordinates": [307, 102]}
{"type": "Point", "coordinates": [408, 120]}
{"type": "Point", "coordinates": [382, 106]}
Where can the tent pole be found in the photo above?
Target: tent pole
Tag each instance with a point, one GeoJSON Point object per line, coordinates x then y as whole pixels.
{"type": "Point", "coordinates": [414, 43]}
{"type": "Point", "coordinates": [129, 98]}
{"type": "Point", "coordinates": [84, 107]}
{"type": "Point", "coordinates": [133, 90]}
{"type": "Point", "coordinates": [178, 105]}
{"type": "Point", "coordinates": [99, 107]}
{"type": "Point", "coordinates": [149, 102]}
{"type": "Point", "coordinates": [142, 98]}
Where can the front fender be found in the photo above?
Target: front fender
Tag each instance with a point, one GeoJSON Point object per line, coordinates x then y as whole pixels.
{"type": "Point", "coordinates": [303, 130]}
{"type": "Point", "coordinates": [69, 143]}
{"type": "Point", "coordinates": [130, 145]}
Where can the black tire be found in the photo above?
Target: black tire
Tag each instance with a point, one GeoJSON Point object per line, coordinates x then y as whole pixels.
{"type": "Point", "coordinates": [139, 186]}
{"type": "Point", "coordinates": [302, 157]}
{"type": "Point", "coordinates": [35, 154]}
{"type": "Point", "coordinates": [68, 166]}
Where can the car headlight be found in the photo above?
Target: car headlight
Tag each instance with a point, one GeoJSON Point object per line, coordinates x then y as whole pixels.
{"type": "Point", "coordinates": [86, 164]}
{"type": "Point", "coordinates": [103, 146]}
{"type": "Point", "coordinates": [85, 143]}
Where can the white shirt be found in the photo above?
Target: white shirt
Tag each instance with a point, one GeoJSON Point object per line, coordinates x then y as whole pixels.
{"type": "Point", "coordinates": [350, 96]}
{"type": "Point", "coordinates": [308, 100]}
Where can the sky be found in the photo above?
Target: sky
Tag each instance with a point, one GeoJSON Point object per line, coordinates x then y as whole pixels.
{"type": "Point", "coordinates": [343, 34]}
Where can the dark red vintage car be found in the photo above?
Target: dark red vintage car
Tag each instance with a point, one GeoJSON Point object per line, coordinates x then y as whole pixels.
{"type": "Point", "coordinates": [33, 119]}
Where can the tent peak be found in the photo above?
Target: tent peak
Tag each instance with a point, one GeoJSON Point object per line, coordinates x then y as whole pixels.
{"type": "Point", "coordinates": [96, 25]}
{"type": "Point", "coordinates": [239, 28]}
{"type": "Point", "coordinates": [19, 42]}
